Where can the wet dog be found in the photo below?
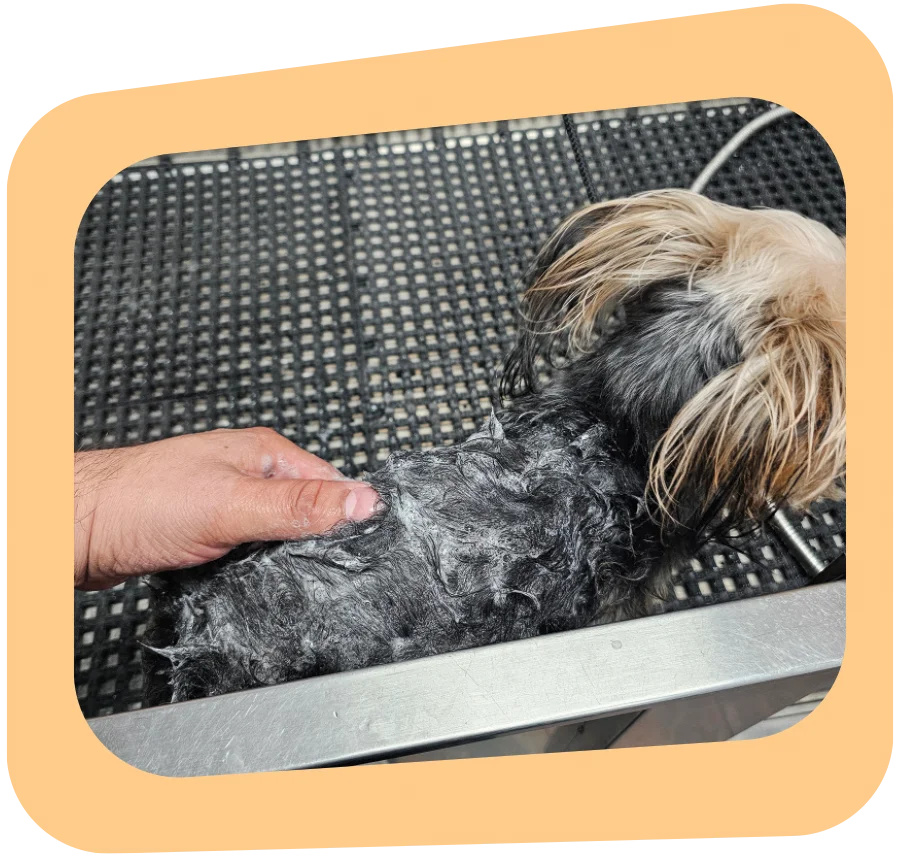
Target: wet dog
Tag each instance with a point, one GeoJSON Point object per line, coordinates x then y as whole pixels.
{"type": "Point", "coordinates": [694, 363]}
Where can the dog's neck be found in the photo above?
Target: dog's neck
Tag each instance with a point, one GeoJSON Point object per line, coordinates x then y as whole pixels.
{"type": "Point", "coordinates": [643, 371]}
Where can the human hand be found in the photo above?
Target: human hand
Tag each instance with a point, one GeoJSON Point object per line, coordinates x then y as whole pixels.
{"type": "Point", "coordinates": [190, 499]}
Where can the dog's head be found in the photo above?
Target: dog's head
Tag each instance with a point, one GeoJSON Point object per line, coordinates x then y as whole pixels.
{"type": "Point", "coordinates": [716, 333]}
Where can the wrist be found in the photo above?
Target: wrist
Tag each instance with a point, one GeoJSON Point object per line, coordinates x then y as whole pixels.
{"type": "Point", "coordinates": [93, 471]}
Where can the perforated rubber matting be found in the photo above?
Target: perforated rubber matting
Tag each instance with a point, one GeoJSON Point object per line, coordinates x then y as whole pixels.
{"type": "Point", "coordinates": [358, 297]}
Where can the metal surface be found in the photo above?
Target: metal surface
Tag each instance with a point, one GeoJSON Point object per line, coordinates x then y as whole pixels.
{"type": "Point", "coordinates": [783, 719]}
{"type": "Point", "coordinates": [575, 676]}
{"type": "Point", "coordinates": [736, 713]}
{"type": "Point", "coordinates": [584, 736]}
{"type": "Point", "coordinates": [794, 542]}
{"type": "Point", "coordinates": [720, 716]}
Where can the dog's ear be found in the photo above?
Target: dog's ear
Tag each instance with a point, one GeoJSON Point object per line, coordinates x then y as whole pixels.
{"type": "Point", "coordinates": [599, 257]}
{"type": "Point", "coordinates": [543, 333]}
{"type": "Point", "coordinates": [772, 428]}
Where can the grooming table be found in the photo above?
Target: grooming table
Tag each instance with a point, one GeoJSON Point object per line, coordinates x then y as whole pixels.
{"type": "Point", "coordinates": [358, 296]}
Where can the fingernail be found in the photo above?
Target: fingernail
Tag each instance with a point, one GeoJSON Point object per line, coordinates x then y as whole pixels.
{"type": "Point", "coordinates": [361, 503]}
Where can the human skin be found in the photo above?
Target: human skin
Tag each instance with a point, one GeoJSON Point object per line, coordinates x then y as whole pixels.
{"type": "Point", "coordinates": [191, 499]}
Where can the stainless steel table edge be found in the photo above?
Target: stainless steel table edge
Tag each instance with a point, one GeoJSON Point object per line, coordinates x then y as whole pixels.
{"type": "Point", "coordinates": [397, 709]}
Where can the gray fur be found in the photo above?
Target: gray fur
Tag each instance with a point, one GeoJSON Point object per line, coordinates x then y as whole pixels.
{"type": "Point", "coordinates": [527, 527]}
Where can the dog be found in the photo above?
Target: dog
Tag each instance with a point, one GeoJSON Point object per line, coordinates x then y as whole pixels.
{"type": "Point", "coordinates": [680, 367]}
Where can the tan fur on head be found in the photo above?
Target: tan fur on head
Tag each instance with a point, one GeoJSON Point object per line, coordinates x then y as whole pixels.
{"type": "Point", "coordinates": [771, 427]}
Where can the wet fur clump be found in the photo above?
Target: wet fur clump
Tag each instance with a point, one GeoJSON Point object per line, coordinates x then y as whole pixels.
{"type": "Point", "coordinates": [532, 525]}
{"type": "Point", "coordinates": [696, 373]}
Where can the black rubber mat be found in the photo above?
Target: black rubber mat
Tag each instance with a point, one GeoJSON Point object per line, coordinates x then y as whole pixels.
{"type": "Point", "coordinates": [360, 298]}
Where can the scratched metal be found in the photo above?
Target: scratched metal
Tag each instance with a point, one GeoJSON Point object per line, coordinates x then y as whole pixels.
{"type": "Point", "coordinates": [431, 702]}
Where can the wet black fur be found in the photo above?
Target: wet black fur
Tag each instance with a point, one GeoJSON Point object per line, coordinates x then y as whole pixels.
{"type": "Point", "coordinates": [536, 524]}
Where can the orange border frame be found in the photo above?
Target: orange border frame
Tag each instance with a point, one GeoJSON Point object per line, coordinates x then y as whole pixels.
{"type": "Point", "coordinates": [801, 56]}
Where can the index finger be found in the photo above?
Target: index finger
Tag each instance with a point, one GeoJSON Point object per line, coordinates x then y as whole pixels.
{"type": "Point", "coordinates": [270, 455]}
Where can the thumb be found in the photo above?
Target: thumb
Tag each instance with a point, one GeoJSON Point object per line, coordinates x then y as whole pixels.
{"type": "Point", "coordinates": [290, 509]}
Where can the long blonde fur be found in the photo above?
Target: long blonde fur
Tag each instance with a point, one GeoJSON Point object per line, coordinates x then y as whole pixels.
{"type": "Point", "coordinates": [772, 427]}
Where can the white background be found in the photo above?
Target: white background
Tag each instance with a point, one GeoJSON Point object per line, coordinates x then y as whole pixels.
{"type": "Point", "coordinates": [53, 52]}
